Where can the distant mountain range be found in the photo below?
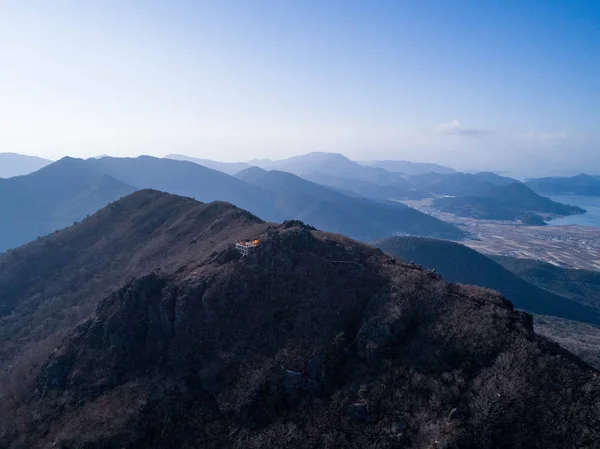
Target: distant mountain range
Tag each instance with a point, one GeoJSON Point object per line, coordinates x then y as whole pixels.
{"type": "Point", "coordinates": [327, 190]}
{"type": "Point", "coordinates": [409, 168]}
{"type": "Point", "coordinates": [187, 179]}
{"type": "Point", "coordinates": [333, 211]}
{"type": "Point", "coordinates": [400, 188]}
{"type": "Point", "coordinates": [495, 179]}
{"type": "Point", "coordinates": [484, 195]}
{"type": "Point", "coordinates": [372, 179]}
{"type": "Point", "coordinates": [52, 198]}
{"type": "Point", "coordinates": [585, 185]}
{"type": "Point", "coordinates": [68, 190]}
{"type": "Point", "coordinates": [13, 164]}
{"type": "Point", "coordinates": [334, 170]}
{"type": "Point", "coordinates": [315, 160]}
{"type": "Point", "coordinates": [456, 184]}
{"type": "Point", "coordinates": [504, 202]}
{"type": "Point", "coordinates": [332, 164]}
{"type": "Point", "coordinates": [231, 168]}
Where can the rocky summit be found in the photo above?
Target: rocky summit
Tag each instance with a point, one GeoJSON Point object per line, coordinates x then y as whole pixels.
{"type": "Point", "coordinates": [310, 340]}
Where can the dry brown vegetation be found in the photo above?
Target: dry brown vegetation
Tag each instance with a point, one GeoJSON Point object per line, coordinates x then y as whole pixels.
{"type": "Point", "coordinates": [581, 339]}
{"type": "Point", "coordinates": [53, 283]}
{"type": "Point", "coordinates": [458, 263]}
{"type": "Point", "coordinates": [311, 341]}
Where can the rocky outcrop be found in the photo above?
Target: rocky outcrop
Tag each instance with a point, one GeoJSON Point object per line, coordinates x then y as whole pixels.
{"type": "Point", "coordinates": [312, 340]}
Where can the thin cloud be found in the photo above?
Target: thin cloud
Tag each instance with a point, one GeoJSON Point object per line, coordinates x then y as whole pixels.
{"type": "Point", "coordinates": [454, 128]}
{"type": "Point", "coordinates": [550, 137]}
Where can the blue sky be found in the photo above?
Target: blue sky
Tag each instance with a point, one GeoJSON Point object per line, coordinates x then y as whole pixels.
{"type": "Point", "coordinates": [506, 85]}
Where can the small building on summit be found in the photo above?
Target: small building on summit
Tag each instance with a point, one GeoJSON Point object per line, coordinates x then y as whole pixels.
{"type": "Point", "coordinates": [244, 248]}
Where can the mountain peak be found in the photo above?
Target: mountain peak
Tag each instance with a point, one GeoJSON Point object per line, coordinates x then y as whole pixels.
{"type": "Point", "coordinates": [251, 174]}
{"type": "Point", "coordinates": [321, 155]}
{"type": "Point", "coordinates": [315, 328]}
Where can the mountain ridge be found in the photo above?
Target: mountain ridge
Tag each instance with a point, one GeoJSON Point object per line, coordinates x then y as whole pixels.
{"type": "Point", "coordinates": [334, 211]}
{"type": "Point", "coordinates": [312, 340]}
{"type": "Point", "coordinates": [37, 204]}
{"type": "Point", "coordinates": [51, 198]}
{"type": "Point", "coordinates": [231, 168]}
{"type": "Point", "coordinates": [409, 168]}
{"type": "Point", "coordinates": [146, 230]}
{"type": "Point", "coordinates": [458, 263]}
{"type": "Point", "coordinates": [15, 164]}
{"type": "Point", "coordinates": [582, 184]}
{"type": "Point", "coordinates": [508, 201]}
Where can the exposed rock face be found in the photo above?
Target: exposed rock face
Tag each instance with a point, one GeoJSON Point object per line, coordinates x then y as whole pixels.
{"type": "Point", "coordinates": [312, 340]}
{"type": "Point", "coordinates": [53, 284]}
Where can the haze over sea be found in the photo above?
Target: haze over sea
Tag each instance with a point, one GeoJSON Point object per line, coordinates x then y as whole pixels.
{"type": "Point", "coordinates": [589, 203]}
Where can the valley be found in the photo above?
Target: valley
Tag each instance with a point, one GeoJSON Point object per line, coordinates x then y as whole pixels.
{"type": "Point", "coordinates": [568, 246]}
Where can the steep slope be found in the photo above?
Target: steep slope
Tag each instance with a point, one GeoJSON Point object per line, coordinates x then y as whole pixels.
{"type": "Point", "coordinates": [409, 168]}
{"type": "Point", "coordinates": [52, 283]}
{"type": "Point", "coordinates": [310, 341]}
{"type": "Point", "coordinates": [582, 286]}
{"type": "Point", "coordinates": [581, 339]}
{"type": "Point", "coordinates": [13, 164]}
{"type": "Point", "coordinates": [333, 211]}
{"type": "Point", "coordinates": [457, 263]}
{"type": "Point", "coordinates": [522, 196]}
{"type": "Point", "coordinates": [282, 181]}
{"type": "Point", "coordinates": [495, 179]}
{"type": "Point", "coordinates": [52, 198]}
{"type": "Point", "coordinates": [582, 184]}
{"type": "Point", "coordinates": [231, 168]}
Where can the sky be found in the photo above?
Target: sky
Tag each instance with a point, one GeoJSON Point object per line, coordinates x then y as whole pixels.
{"type": "Point", "coordinates": [505, 85]}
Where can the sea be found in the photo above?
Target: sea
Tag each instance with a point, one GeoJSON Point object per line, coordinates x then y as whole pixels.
{"type": "Point", "coordinates": [589, 203]}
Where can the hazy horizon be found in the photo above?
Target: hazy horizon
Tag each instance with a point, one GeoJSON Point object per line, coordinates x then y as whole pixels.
{"type": "Point", "coordinates": [522, 175]}
{"type": "Point", "coordinates": [509, 87]}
